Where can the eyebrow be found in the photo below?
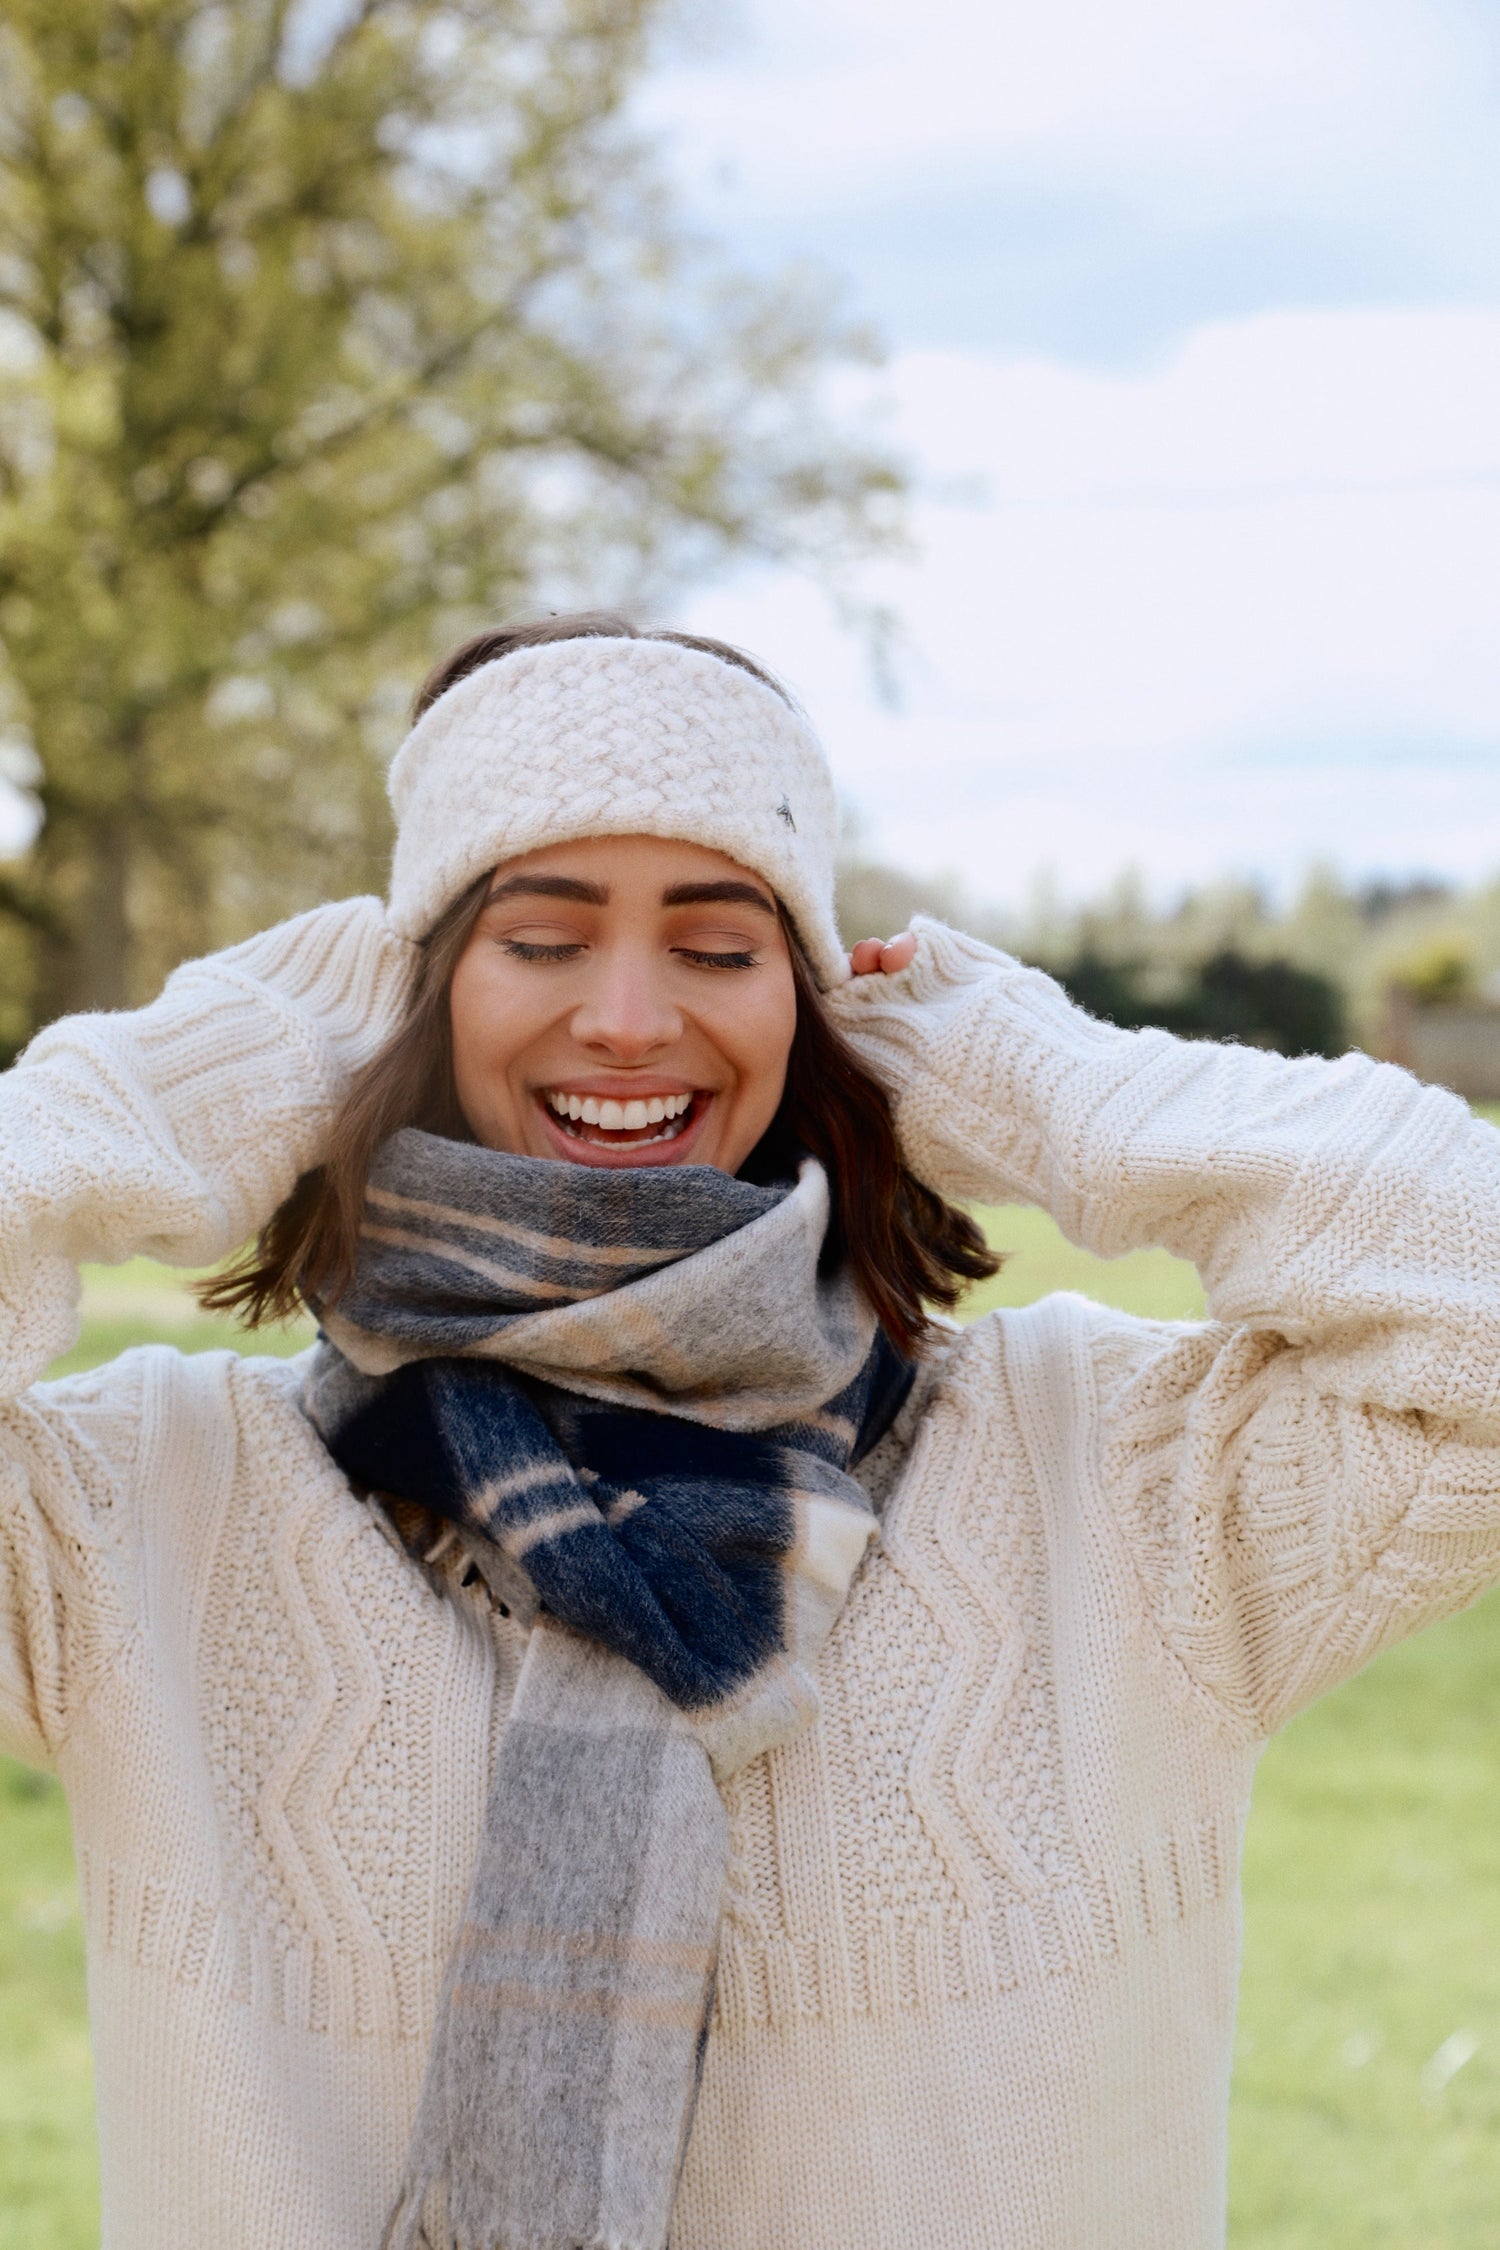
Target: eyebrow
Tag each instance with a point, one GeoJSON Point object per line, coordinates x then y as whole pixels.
{"type": "Point", "coordinates": [550, 886]}
{"type": "Point", "coordinates": [717, 894]}
{"type": "Point", "coordinates": [597, 894]}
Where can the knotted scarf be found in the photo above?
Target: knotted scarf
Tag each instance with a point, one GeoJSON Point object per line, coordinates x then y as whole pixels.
{"type": "Point", "coordinates": [638, 1399]}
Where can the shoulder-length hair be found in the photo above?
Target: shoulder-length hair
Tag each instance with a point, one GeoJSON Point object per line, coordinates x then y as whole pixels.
{"type": "Point", "coordinates": [908, 1248]}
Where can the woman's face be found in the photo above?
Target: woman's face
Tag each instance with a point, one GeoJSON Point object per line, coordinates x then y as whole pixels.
{"type": "Point", "coordinates": [624, 1001]}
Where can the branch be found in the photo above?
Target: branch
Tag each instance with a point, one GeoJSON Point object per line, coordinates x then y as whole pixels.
{"type": "Point", "coordinates": [389, 407]}
{"type": "Point", "coordinates": [363, 16]}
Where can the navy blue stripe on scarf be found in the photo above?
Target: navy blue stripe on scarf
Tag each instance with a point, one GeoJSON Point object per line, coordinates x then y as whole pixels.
{"type": "Point", "coordinates": [664, 1538]}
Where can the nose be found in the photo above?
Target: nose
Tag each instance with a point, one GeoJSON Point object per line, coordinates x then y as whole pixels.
{"type": "Point", "coordinates": [626, 1012]}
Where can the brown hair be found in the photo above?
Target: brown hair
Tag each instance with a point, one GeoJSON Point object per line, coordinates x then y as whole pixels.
{"type": "Point", "coordinates": [908, 1248]}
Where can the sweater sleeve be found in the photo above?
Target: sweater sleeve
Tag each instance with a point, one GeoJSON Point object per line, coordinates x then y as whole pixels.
{"type": "Point", "coordinates": [1314, 1472]}
{"type": "Point", "coordinates": [172, 1131]}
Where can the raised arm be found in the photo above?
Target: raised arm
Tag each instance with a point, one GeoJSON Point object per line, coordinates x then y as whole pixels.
{"type": "Point", "coordinates": [1317, 1470]}
{"type": "Point", "coordinates": [173, 1130]}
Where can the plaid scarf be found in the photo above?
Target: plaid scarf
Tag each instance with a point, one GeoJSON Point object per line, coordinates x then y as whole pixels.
{"type": "Point", "coordinates": [638, 1400]}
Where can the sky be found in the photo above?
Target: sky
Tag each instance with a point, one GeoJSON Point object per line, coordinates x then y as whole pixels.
{"type": "Point", "coordinates": [1193, 329]}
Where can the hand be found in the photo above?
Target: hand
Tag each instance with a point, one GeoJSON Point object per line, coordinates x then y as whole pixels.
{"type": "Point", "coordinates": [872, 957]}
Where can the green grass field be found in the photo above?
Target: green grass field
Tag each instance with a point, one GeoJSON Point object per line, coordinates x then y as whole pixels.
{"type": "Point", "coordinates": [1367, 2088]}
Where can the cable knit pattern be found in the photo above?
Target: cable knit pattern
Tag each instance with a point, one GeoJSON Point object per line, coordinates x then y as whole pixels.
{"type": "Point", "coordinates": [175, 1131]}
{"type": "Point", "coordinates": [1277, 1471]}
{"type": "Point", "coordinates": [615, 738]}
{"type": "Point", "coordinates": [978, 1973]}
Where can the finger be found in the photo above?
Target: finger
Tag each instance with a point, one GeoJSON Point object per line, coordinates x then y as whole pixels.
{"type": "Point", "coordinates": [898, 953]}
{"type": "Point", "coordinates": [864, 960]}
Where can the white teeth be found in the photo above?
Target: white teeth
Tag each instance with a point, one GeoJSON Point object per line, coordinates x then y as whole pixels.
{"type": "Point", "coordinates": [620, 1117]}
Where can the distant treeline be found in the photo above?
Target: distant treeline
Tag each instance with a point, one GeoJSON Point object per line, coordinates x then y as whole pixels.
{"type": "Point", "coordinates": [1224, 961]}
{"type": "Point", "coordinates": [1267, 1003]}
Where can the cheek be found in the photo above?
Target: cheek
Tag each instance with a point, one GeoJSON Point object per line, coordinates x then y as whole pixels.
{"type": "Point", "coordinates": [468, 1015]}
{"type": "Point", "coordinates": [761, 1040]}
{"type": "Point", "coordinates": [487, 1019]}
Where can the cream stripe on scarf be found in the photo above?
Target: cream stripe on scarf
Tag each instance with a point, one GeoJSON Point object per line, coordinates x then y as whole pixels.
{"type": "Point", "coordinates": [703, 1550]}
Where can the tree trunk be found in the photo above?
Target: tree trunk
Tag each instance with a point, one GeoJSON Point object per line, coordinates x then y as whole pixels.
{"type": "Point", "coordinates": [86, 957]}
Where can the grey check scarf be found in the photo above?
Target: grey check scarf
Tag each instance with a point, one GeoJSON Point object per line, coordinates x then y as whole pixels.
{"type": "Point", "coordinates": [638, 1400]}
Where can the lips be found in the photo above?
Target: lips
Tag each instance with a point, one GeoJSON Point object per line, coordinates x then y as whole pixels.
{"type": "Point", "coordinates": [613, 1130]}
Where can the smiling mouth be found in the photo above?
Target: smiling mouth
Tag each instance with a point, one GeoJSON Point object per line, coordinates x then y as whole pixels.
{"type": "Point", "coordinates": [601, 1123]}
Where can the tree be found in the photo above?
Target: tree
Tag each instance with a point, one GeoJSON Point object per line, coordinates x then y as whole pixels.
{"type": "Point", "coordinates": [1266, 1003]}
{"type": "Point", "coordinates": [325, 337]}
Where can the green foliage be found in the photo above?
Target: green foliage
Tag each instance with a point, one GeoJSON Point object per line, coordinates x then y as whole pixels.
{"type": "Point", "coordinates": [1223, 960]}
{"type": "Point", "coordinates": [1261, 1003]}
{"type": "Point", "coordinates": [327, 334]}
{"type": "Point", "coordinates": [1437, 973]}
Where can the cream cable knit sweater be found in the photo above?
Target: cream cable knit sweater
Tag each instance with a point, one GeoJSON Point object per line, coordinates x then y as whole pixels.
{"type": "Point", "coordinates": [978, 1981]}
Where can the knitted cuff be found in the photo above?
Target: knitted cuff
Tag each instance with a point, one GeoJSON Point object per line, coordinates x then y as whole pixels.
{"type": "Point", "coordinates": [175, 1130]}
{"type": "Point", "coordinates": [968, 1041]}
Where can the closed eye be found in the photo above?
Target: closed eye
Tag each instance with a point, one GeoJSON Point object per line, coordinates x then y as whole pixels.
{"type": "Point", "coordinates": [701, 960]}
{"type": "Point", "coordinates": [519, 950]}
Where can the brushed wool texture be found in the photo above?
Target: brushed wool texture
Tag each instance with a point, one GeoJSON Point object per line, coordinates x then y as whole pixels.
{"type": "Point", "coordinates": [976, 1989]}
{"type": "Point", "coordinates": [615, 738]}
{"type": "Point", "coordinates": [688, 1576]}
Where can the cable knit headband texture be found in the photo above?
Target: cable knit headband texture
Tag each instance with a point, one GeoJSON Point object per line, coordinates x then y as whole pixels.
{"type": "Point", "coordinates": [614, 738]}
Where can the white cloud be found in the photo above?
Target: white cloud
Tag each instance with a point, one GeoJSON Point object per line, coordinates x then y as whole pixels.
{"type": "Point", "coordinates": [823, 96]}
{"type": "Point", "coordinates": [1094, 180]}
{"type": "Point", "coordinates": [1288, 402]}
{"type": "Point", "coordinates": [1236, 612]}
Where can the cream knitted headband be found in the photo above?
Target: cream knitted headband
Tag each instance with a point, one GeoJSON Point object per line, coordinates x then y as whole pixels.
{"type": "Point", "coordinates": [614, 738]}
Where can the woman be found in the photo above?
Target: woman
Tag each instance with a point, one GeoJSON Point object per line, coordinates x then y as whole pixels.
{"type": "Point", "coordinates": [438, 1711]}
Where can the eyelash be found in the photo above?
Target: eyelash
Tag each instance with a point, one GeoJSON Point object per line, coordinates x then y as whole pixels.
{"type": "Point", "coordinates": [519, 950]}
{"type": "Point", "coordinates": [714, 960]}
